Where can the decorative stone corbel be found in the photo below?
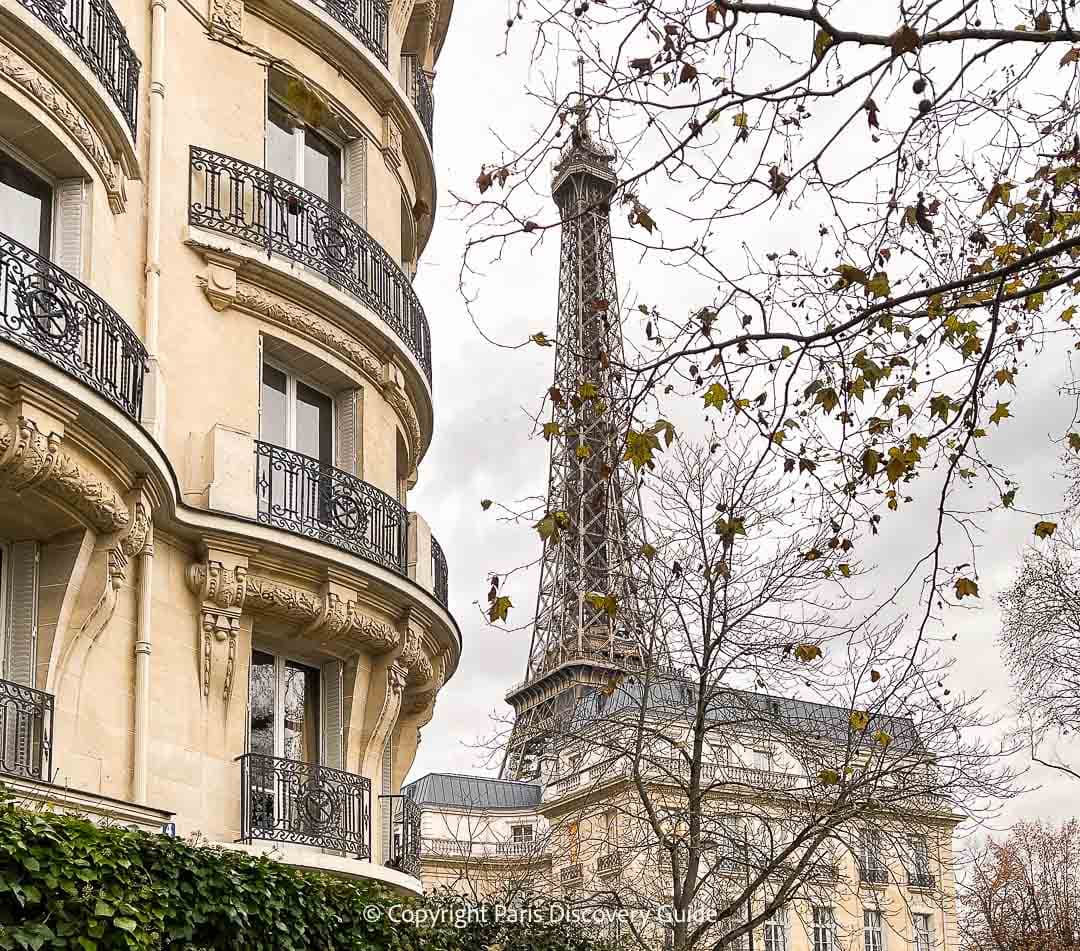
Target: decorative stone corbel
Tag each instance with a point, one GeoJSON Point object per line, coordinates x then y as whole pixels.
{"type": "Point", "coordinates": [391, 142]}
{"type": "Point", "coordinates": [389, 711]}
{"type": "Point", "coordinates": [226, 18]}
{"type": "Point", "coordinates": [27, 456]}
{"type": "Point", "coordinates": [222, 590]}
{"type": "Point", "coordinates": [336, 617]}
{"type": "Point", "coordinates": [219, 284]}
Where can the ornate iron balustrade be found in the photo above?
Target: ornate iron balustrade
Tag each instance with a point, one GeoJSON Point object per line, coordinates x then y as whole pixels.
{"type": "Point", "coordinates": [440, 574]}
{"type": "Point", "coordinates": [284, 800]}
{"type": "Point", "coordinates": [418, 86]}
{"type": "Point", "coordinates": [26, 720]}
{"type": "Point", "coordinates": [873, 874]}
{"type": "Point", "coordinates": [921, 879]}
{"type": "Point", "coordinates": [95, 34]}
{"type": "Point", "coordinates": [46, 311]}
{"type": "Point", "coordinates": [264, 209]}
{"type": "Point", "coordinates": [609, 864]}
{"type": "Point", "coordinates": [571, 874]}
{"type": "Point", "coordinates": [365, 20]}
{"type": "Point", "coordinates": [403, 849]}
{"type": "Point", "coordinates": [307, 497]}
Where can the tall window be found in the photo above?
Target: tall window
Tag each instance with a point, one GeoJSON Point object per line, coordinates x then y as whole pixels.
{"type": "Point", "coordinates": [923, 932]}
{"type": "Point", "coordinates": [776, 931]}
{"type": "Point", "coordinates": [302, 154]}
{"type": "Point", "coordinates": [919, 867]}
{"type": "Point", "coordinates": [521, 834]}
{"type": "Point", "coordinates": [296, 416]}
{"type": "Point", "coordinates": [611, 828]}
{"type": "Point", "coordinates": [574, 841]}
{"type": "Point", "coordinates": [873, 930]}
{"type": "Point", "coordinates": [25, 206]}
{"type": "Point", "coordinates": [284, 708]}
{"type": "Point", "coordinates": [763, 759]}
{"type": "Point", "coordinates": [824, 929]}
{"type": "Point", "coordinates": [871, 858]}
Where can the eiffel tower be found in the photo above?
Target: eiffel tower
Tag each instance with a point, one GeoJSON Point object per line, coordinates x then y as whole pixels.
{"type": "Point", "coordinates": [584, 633]}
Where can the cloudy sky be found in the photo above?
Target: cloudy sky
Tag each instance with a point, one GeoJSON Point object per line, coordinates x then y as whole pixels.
{"type": "Point", "coordinates": [483, 395]}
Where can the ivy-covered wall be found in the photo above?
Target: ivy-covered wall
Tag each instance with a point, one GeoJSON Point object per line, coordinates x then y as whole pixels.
{"type": "Point", "coordinates": [66, 883]}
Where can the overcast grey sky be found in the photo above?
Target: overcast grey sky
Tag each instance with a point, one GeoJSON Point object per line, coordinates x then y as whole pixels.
{"type": "Point", "coordinates": [482, 447]}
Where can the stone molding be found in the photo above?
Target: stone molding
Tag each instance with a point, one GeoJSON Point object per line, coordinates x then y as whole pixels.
{"type": "Point", "coordinates": [223, 289]}
{"type": "Point", "coordinates": [61, 109]}
{"type": "Point", "coordinates": [222, 589]}
{"type": "Point", "coordinates": [29, 459]}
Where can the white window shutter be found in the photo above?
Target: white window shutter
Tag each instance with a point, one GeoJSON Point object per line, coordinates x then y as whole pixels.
{"type": "Point", "coordinates": [21, 646]}
{"type": "Point", "coordinates": [333, 718]}
{"type": "Point", "coordinates": [70, 215]}
{"type": "Point", "coordinates": [355, 197]}
{"type": "Point", "coordinates": [346, 419]}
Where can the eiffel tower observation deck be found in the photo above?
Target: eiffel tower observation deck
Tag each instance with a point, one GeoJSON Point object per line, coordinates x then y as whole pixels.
{"type": "Point", "coordinates": [585, 632]}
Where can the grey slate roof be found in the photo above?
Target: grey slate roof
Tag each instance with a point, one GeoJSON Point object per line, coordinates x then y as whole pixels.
{"type": "Point", "coordinates": [478, 792]}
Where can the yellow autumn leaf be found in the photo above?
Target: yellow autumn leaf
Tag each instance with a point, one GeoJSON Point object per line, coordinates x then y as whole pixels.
{"type": "Point", "coordinates": [882, 737]}
{"type": "Point", "coordinates": [829, 777]}
{"type": "Point", "coordinates": [1044, 529]}
{"type": "Point", "coordinates": [859, 720]}
{"type": "Point", "coordinates": [499, 608]}
{"type": "Point", "coordinates": [807, 652]}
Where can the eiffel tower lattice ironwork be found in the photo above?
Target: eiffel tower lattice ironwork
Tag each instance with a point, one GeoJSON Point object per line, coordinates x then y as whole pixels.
{"type": "Point", "coordinates": [578, 642]}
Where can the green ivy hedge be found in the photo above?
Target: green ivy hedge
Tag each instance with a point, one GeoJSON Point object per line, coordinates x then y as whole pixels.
{"type": "Point", "coordinates": [67, 883]}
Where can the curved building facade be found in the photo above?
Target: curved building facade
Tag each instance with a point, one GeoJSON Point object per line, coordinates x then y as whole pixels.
{"type": "Point", "coordinates": [218, 613]}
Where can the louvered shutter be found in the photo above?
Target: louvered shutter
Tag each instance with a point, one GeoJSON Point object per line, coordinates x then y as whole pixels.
{"type": "Point", "coordinates": [345, 421]}
{"type": "Point", "coordinates": [70, 211]}
{"type": "Point", "coordinates": [22, 614]}
{"type": "Point", "coordinates": [333, 738]}
{"type": "Point", "coordinates": [355, 200]}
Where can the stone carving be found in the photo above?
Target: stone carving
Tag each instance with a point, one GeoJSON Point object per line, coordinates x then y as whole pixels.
{"type": "Point", "coordinates": [274, 309]}
{"type": "Point", "coordinates": [34, 84]}
{"type": "Point", "coordinates": [280, 311]}
{"type": "Point", "coordinates": [389, 711]}
{"type": "Point", "coordinates": [227, 18]}
{"type": "Point", "coordinates": [222, 591]}
{"type": "Point", "coordinates": [391, 144]}
{"type": "Point", "coordinates": [31, 460]}
{"type": "Point", "coordinates": [266, 596]}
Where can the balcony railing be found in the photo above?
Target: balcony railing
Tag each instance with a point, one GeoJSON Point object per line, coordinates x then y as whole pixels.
{"type": "Point", "coordinates": [571, 874]}
{"type": "Point", "coordinates": [264, 209]}
{"type": "Point", "coordinates": [464, 848]}
{"type": "Point", "coordinates": [46, 311]}
{"type": "Point", "coordinates": [873, 874]}
{"type": "Point", "coordinates": [403, 849]}
{"type": "Point", "coordinates": [921, 879]}
{"type": "Point", "coordinates": [365, 20]}
{"type": "Point", "coordinates": [95, 34]}
{"type": "Point", "coordinates": [26, 719]}
{"type": "Point", "coordinates": [418, 87]}
{"type": "Point", "coordinates": [283, 800]}
{"type": "Point", "coordinates": [307, 497]}
{"type": "Point", "coordinates": [440, 574]}
{"type": "Point", "coordinates": [608, 864]}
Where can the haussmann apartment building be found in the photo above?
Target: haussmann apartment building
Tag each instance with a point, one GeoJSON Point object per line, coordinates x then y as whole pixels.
{"type": "Point", "coordinates": [218, 611]}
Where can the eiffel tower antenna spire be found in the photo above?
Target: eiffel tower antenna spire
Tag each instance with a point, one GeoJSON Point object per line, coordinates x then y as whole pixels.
{"type": "Point", "coordinates": [585, 630]}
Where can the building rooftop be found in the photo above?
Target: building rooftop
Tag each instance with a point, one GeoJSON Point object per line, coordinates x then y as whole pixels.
{"type": "Point", "coordinates": [479, 792]}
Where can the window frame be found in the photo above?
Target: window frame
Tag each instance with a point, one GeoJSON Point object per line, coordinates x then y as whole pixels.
{"type": "Point", "coordinates": [823, 926]}
{"type": "Point", "coordinates": [776, 923]}
{"type": "Point", "coordinates": [281, 659]}
{"type": "Point", "coordinates": [926, 935]}
{"type": "Point", "coordinates": [292, 378]}
{"type": "Point", "coordinates": [522, 839]}
{"type": "Point", "coordinates": [873, 926]}
{"type": "Point", "coordinates": [32, 170]}
{"type": "Point", "coordinates": [300, 129]}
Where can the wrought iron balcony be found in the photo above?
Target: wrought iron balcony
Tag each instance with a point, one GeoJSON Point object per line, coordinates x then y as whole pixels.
{"type": "Point", "coordinates": [403, 849]}
{"type": "Point", "coordinates": [921, 879]}
{"type": "Point", "coordinates": [571, 874]}
{"type": "Point", "coordinates": [26, 719]}
{"type": "Point", "coordinates": [283, 800]}
{"type": "Point", "coordinates": [418, 87]}
{"type": "Point", "coordinates": [47, 312]}
{"type": "Point", "coordinates": [440, 574]}
{"type": "Point", "coordinates": [365, 20]}
{"type": "Point", "coordinates": [95, 34]}
{"type": "Point", "coordinates": [307, 497]}
{"type": "Point", "coordinates": [609, 864]}
{"type": "Point", "coordinates": [873, 874]}
{"type": "Point", "coordinates": [264, 209]}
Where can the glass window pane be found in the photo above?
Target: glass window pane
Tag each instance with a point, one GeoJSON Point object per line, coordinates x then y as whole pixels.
{"type": "Point", "coordinates": [280, 143]}
{"type": "Point", "coordinates": [25, 206]}
{"type": "Point", "coordinates": [261, 703]}
{"type": "Point", "coordinates": [322, 168]}
{"type": "Point", "coordinates": [300, 710]}
{"type": "Point", "coordinates": [273, 419]}
{"type": "Point", "coordinates": [314, 424]}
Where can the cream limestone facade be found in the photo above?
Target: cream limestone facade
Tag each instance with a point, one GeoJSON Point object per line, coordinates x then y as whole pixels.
{"type": "Point", "coordinates": [579, 833]}
{"type": "Point", "coordinates": [217, 612]}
